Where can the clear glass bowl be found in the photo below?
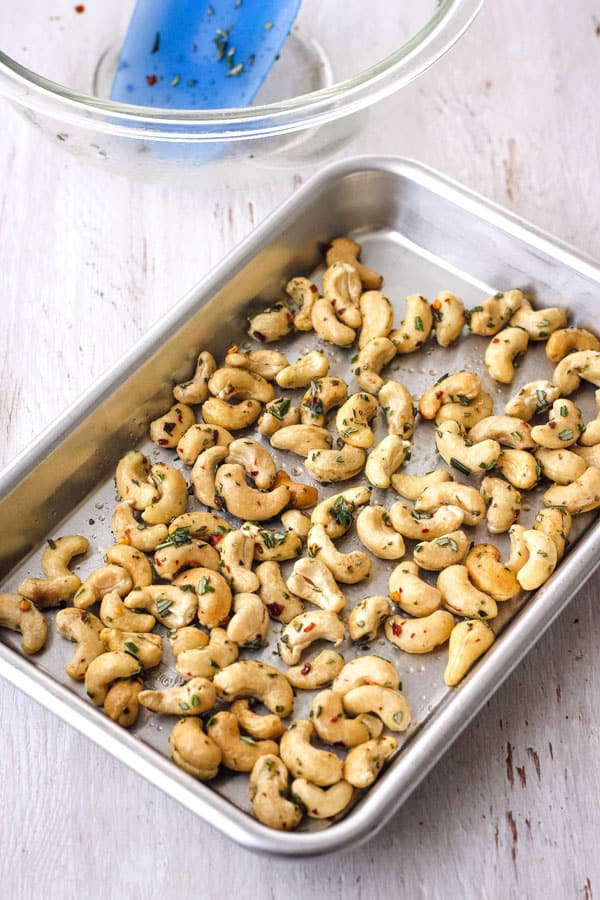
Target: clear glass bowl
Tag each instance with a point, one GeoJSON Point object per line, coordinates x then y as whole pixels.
{"type": "Point", "coordinates": [57, 64]}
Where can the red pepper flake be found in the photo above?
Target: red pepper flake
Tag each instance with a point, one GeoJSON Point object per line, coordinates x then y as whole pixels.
{"type": "Point", "coordinates": [310, 626]}
{"type": "Point", "coordinates": [275, 609]}
{"type": "Point", "coordinates": [314, 289]}
{"type": "Point", "coordinates": [80, 8]}
{"type": "Point", "coordinates": [162, 442]}
{"type": "Point", "coordinates": [396, 629]}
{"type": "Point", "coordinates": [424, 530]}
{"type": "Point", "coordinates": [151, 80]}
{"type": "Point", "coordinates": [496, 341]}
{"type": "Point", "coordinates": [306, 668]}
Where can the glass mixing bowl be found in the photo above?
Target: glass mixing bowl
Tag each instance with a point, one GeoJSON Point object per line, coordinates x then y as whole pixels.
{"type": "Point", "coordinates": [58, 59]}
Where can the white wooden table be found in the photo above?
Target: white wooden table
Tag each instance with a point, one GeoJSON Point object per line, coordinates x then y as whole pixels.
{"type": "Point", "coordinates": [87, 262]}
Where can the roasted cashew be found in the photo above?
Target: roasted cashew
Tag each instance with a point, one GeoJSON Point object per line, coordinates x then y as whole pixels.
{"type": "Point", "coordinates": [507, 430]}
{"type": "Point", "coordinates": [561, 466]}
{"type": "Point", "coordinates": [342, 286]}
{"type": "Point", "coordinates": [296, 521]}
{"type": "Point", "coordinates": [204, 525]}
{"type": "Point", "coordinates": [490, 575]}
{"type": "Point", "coordinates": [262, 728]}
{"type": "Point", "coordinates": [466, 414]}
{"type": "Point", "coordinates": [250, 678]}
{"type": "Point", "coordinates": [468, 641]}
{"type": "Point", "coordinates": [21, 615]}
{"type": "Point", "coordinates": [349, 568]}
{"type": "Point", "coordinates": [369, 362]}
{"type": "Point", "coordinates": [491, 315]}
{"type": "Point", "coordinates": [173, 495]}
{"type": "Point", "coordinates": [240, 753]}
{"type": "Point", "coordinates": [305, 629]}
{"type": "Point", "coordinates": [322, 395]}
{"type": "Point", "coordinates": [233, 417]}
{"type": "Point", "coordinates": [168, 430]}
{"type": "Point", "coordinates": [415, 525]}
{"type": "Point", "coordinates": [122, 704]}
{"type": "Point", "coordinates": [385, 459]}
{"type": "Point", "coordinates": [83, 629]}
{"type": "Point", "coordinates": [366, 670]}
{"type": "Point", "coordinates": [205, 662]}
{"type": "Point", "coordinates": [101, 581]}
{"type": "Point", "coordinates": [375, 531]}
{"type": "Point", "coordinates": [127, 530]}
{"type": "Point", "coordinates": [281, 603]}
{"type": "Point", "coordinates": [322, 803]}
{"type": "Point", "coordinates": [458, 451]}
{"type": "Point", "coordinates": [238, 498]}
{"type": "Point", "coordinates": [590, 455]}
{"type": "Point", "coordinates": [569, 340]}
{"type": "Point", "coordinates": [313, 581]}
{"type": "Point", "coordinates": [461, 597]}
{"type": "Point", "coordinates": [249, 625]}
{"type": "Point", "coordinates": [453, 493]}
{"type": "Point", "coordinates": [213, 594]}
{"type": "Point", "coordinates": [336, 512]}
{"type": "Point", "coordinates": [416, 326]}
{"type": "Point", "coordinates": [412, 486]}
{"type": "Point", "coordinates": [541, 561]}
{"type": "Point", "coordinates": [203, 474]}
{"type": "Point", "coordinates": [328, 326]}
{"type": "Point", "coordinates": [320, 767]}
{"type": "Point", "coordinates": [556, 523]}
{"type": "Point", "coordinates": [170, 604]}
{"type": "Point", "coordinates": [273, 545]}
{"type": "Point", "coordinates": [300, 374]}
{"type": "Point", "coordinates": [421, 635]}
{"type": "Point", "coordinates": [147, 648]}
{"type": "Point", "coordinates": [582, 495]}
{"type": "Point", "coordinates": [519, 553]}
{"type": "Point", "coordinates": [412, 594]}
{"type": "Point", "coordinates": [193, 751]}
{"type": "Point", "coordinates": [310, 676]}
{"type": "Point", "coordinates": [441, 552]}
{"type": "Point", "coordinates": [237, 556]}
{"type": "Point", "coordinates": [190, 637]}
{"type": "Point", "coordinates": [268, 794]}
{"type": "Point", "coordinates": [331, 724]}
{"type": "Point", "coordinates": [458, 388]}
{"type": "Point", "coordinates": [397, 404]}
{"type": "Point", "coordinates": [448, 318]}
{"type": "Point", "coordinates": [363, 764]}
{"type": "Point", "coordinates": [346, 250]}
{"type": "Point", "coordinates": [563, 428]}
{"type": "Point", "coordinates": [503, 352]}
{"type": "Point", "coordinates": [353, 417]}
{"type": "Point", "coordinates": [570, 370]}
{"type": "Point", "coordinates": [302, 439]}
{"type": "Point", "coordinates": [520, 467]}
{"type": "Point", "coordinates": [590, 436]}
{"type": "Point", "coordinates": [106, 669]}
{"type": "Point", "coordinates": [504, 504]}
{"type": "Point", "coordinates": [329, 466]}
{"type": "Point", "coordinates": [304, 293]}
{"type": "Point", "coordinates": [195, 390]}
{"type": "Point", "coordinates": [191, 699]}
{"type": "Point", "coordinates": [133, 560]}
{"type": "Point", "coordinates": [389, 705]}
{"type": "Point", "coordinates": [132, 476]}
{"type": "Point", "coordinates": [539, 323]}
{"type": "Point", "coordinates": [266, 363]}
{"type": "Point", "coordinates": [271, 324]}
{"type": "Point", "coordinates": [60, 583]}
{"type": "Point", "coordinates": [377, 316]}
{"type": "Point", "coordinates": [177, 553]}
{"type": "Point", "coordinates": [534, 398]}
{"type": "Point", "coordinates": [114, 614]}
{"type": "Point", "coordinates": [367, 617]}
{"type": "Point", "coordinates": [278, 414]}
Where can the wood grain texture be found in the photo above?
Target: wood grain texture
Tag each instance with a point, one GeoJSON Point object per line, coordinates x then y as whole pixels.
{"type": "Point", "coordinates": [87, 262]}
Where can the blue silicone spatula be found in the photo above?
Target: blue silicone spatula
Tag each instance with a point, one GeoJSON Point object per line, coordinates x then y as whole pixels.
{"type": "Point", "coordinates": [191, 54]}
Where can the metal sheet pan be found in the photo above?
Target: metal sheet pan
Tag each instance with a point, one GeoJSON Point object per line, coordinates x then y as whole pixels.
{"type": "Point", "coordinates": [425, 234]}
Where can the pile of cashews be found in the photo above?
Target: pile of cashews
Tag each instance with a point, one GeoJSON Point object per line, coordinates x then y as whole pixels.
{"type": "Point", "coordinates": [216, 584]}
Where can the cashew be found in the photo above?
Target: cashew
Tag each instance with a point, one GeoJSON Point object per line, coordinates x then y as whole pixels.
{"type": "Point", "coordinates": [59, 553]}
{"type": "Point", "coordinates": [273, 545]}
{"type": "Point", "coordinates": [590, 455]}
{"type": "Point", "coordinates": [458, 388]}
{"type": "Point", "coordinates": [504, 504]}
{"type": "Point", "coordinates": [271, 324]}
{"type": "Point", "coordinates": [60, 583]}
{"type": "Point", "coordinates": [331, 724]}
{"type": "Point", "coordinates": [300, 374]}
{"type": "Point", "coordinates": [203, 474]}
{"type": "Point", "coordinates": [417, 525]}
{"type": "Point", "coordinates": [191, 699]}
{"type": "Point", "coordinates": [441, 552]}
{"type": "Point", "coordinates": [421, 635]}
{"type": "Point", "coordinates": [127, 530]}
{"type": "Point", "coordinates": [556, 523]}
{"type": "Point", "coordinates": [83, 629]}
{"type": "Point", "coordinates": [348, 568]}
{"type": "Point", "coordinates": [346, 250]}
{"type": "Point", "coordinates": [305, 629]}
{"type": "Point", "coordinates": [122, 703]}
{"type": "Point", "coordinates": [240, 753]}
{"type": "Point", "coordinates": [327, 325]}
{"type": "Point", "coordinates": [131, 477]}
{"type": "Point", "coordinates": [519, 553]}
{"type": "Point", "coordinates": [249, 625]}
{"type": "Point", "coordinates": [367, 617]}
{"type": "Point", "coordinates": [310, 676]}
{"type": "Point", "coordinates": [541, 562]}
{"type": "Point", "coordinates": [168, 430]}
{"type": "Point", "coordinates": [389, 705]}
{"type": "Point", "coordinates": [250, 678]}
{"type": "Point", "coordinates": [106, 669]}
{"type": "Point", "coordinates": [466, 414]}
{"type": "Point", "coordinates": [21, 615]}
{"type": "Point", "coordinates": [102, 581]}
{"type": "Point", "coordinates": [297, 522]}
{"type": "Point", "coordinates": [261, 728]}
{"type": "Point", "coordinates": [591, 433]}
{"type": "Point", "coordinates": [468, 641]}
{"type": "Point", "coordinates": [278, 414]}
{"type": "Point", "coordinates": [233, 417]}
{"type": "Point", "coordinates": [377, 316]}
{"type": "Point", "coordinates": [213, 594]}
{"type": "Point", "coordinates": [266, 363]}
{"type": "Point", "coordinates": [302, 496]}
{"type": "Point", "coordinates": [534, 398]}
{"type": "Point", "coordinates": [322, 395]}
{"type": "Point", "coordinates": [268, 795]}
{"type": "Point", "coordinates": [563, 428]}
{"type": "Point", "coordinates": [302, 439]}
{"type": "Point", "coordinates": [237, 556]}
{"type": "Point", "coordinates": [385, 459]}
{"type": "Point", "coordinates": [568, 340]}
{"type": "Point", "coordinates": [193, 751]}
{"type": "Point", "coordinates": [336, 512]}
{"type": "Point", "coordinates": [412, 594]}
{"type": "Point", "coordinates": [520, 468]}
{"type": "Point", "coordinates": [416, 326]}
{"type": "Point", "coordinates": [461, 597]}
{"type": "Point", "coordinates": [282, 604]}
{"type": "Point", "coordinates": [342, 286]}
{"type": "Point", "coordinates": [147, 648]}
{"type": "Point", "coordinates": [322, 803]}
{"type": "Point", "coordinates": [304, 293]}
{"type": "Point", "coordinates": [205, 662]}
{"type": "Point", "coordinates": [489, 575]}
{"type": "Point", "coordinates": [320, 767]}
{"type": "Point", "coordinates": [412, 486]}
{"type": "Point", "coordinates": [453, 493]}
{"type": "Point", "coordinates": [313, 581]}
{"type": "Point", "coordinates": [369, 362]}
{"type": "Point", "coordinates": [114, 614]}
{"type": "Point", "coordinates": [507, 430]}
{"type": "Point", "coordinates": [569, 371]}
{"type": "Point", "coordinates": [204, 525]}
{"type": "Point", "coordinates": [397, 404]}
{"type": "Point", "coordinates": [582, 495]}
{"type": "Point", "coordinates": [173, 495]}
{"type": "Point", "coordinates": [539, 323]}
{"type": "Point", "coordinates": [503, 351]}
{"type": "Point", "coordinates": [491, 315]}
{"type": "Point", "coordinates": [363, 764]}
{"type": "Point", "coordinates": [448, 318]}
{"type": "Point", "coordinates": [180, 551]}
{"type": "Point", "coordinates": [375, 531]}
{"type": "Point", "coordinates": [133, 560]}
{"type": "Point", "coordinates": [329, 466]}
{"type": "Point", "coordinates": [196, 389]}
{"type": "Point", "coordinates": [561, 466]}
{"type": "Point", "coordinates": [190, 637]}
{"type": "Point", "coordinates": [366, 670]}
{"type": "Point", "coordinates": [238, 498]}
{"type": "Point", "coordinates": [169, 603]}
{"type": "Point", "coordinates": [352, 420]}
